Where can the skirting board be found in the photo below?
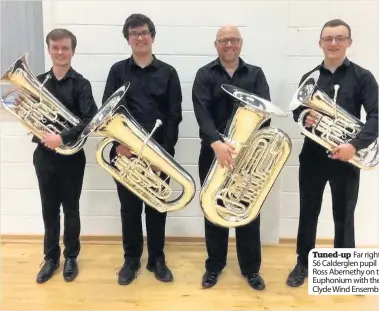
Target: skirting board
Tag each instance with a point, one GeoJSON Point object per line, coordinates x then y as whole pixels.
{"type": "Point", "coordinates": [113, 239]}
{"type": "Point", "coordinates": [181, 241]}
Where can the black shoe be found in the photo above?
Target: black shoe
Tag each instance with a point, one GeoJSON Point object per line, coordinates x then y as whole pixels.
{"type": "Point", "coordinates": [47, 270]}
{"type": "Point", "coordinates": [70, 269]}
{"type": "Point", "coordinates": [255, 281]}
{"type": "Point", "coordinates": [128, 272]}
{"type": "Point", "coordinates": [297, 275]}
{"type": "Point", "coordinates": [161, 271]}
{"type": "Point", "coordinates": [209, 279]}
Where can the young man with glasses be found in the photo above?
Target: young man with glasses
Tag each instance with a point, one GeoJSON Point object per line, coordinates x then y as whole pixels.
{"type": "Point", "coordinates": [154, 93]}
{"type": "Point", "coordinates": [357, 88]}
{"type": "Point", "coordinates": [213, 108]}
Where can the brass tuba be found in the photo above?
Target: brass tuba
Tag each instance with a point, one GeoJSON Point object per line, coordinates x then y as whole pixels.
{"type": "Point", "coordinates": [140, 173]}
{"type": "Point", "coordinates": [334, 126]}
{"type": "Point", "coordinates": [234, 197]}
{"type": "Point", "coordinates": [38, 110]}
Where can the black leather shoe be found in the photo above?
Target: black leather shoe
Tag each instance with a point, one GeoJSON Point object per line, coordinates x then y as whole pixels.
{"type": "Point", "coordinates": [255, 281]}
{"type": "Point", "coordinates": [47, 270]}
{"type": "Point", "coordinates": [297, 276]}
{"type": "Point", "coordinates": [209, 279]}
{"type": "Point", "coordinates": [161, 271]}
{"type": "Point", "coordinates": [70, 269]}
{"type": "Point", "coordinates": [128, 272]}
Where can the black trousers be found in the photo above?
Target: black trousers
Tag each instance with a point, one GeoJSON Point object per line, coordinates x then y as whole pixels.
{"type": "Point", "coordinates": [131, 222]}
{"type": "Point", "coordinates": [315, 170]}
{"type": "Point", "coordinates": [248, 240]}
{"type": "Point", "coordinates": [60, 180]}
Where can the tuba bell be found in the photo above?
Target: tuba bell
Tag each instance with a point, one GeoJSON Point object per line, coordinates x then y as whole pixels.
{"type": "Point", "coordinates": [234, 197]}
{"type": "Point", "coordinates": [334, 125]}
{"type": "Point", "coordinates": [38, 110]}
{"type": "Point", "coordinates": [140, 173]}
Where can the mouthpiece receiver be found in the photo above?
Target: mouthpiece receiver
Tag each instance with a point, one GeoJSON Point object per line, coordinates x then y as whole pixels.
{"type": "Point", "coordinates": [158, 123]}
{"type": "Point", "coordinates": [336, 88]}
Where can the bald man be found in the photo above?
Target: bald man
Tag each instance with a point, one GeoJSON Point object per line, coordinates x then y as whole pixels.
{"type": "Point", "coordinates": [213, 108]}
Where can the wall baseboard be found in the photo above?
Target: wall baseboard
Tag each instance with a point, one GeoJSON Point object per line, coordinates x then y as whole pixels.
{"type": "Point", "coordinates": [115, 240]}
{"type": "Point", "coordinates": [180, 241]}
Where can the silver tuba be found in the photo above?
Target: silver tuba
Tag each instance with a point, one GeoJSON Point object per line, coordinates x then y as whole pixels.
{"type": "Point", "coordinates": [140, 173]}
{"type": "Point", "coordinates": [334, 126]}
{"type": "Point", "coordinates": [38, 110]}
{"type": "Point", "coordinates": [234, 197]}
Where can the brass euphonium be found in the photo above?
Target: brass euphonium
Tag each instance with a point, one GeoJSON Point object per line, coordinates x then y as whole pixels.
{"type": "Point", "coordinates": [334, 126]}
{"type": "Point", "coordinates": [234, 197]}
{"type": "Point", "coordinates": [140, 173]}
{"type": "Point", "coordinates": [37, 109]}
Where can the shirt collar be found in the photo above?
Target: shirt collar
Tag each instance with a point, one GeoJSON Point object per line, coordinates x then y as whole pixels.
{"type": "Point", "coordinates": [217, 63]}
{"type": "Point", "coordinates": [154, 63]}
{"type": "Point", "coordinates": [69, 74]}
{"type": "Point", "coordinates": [346, 63]}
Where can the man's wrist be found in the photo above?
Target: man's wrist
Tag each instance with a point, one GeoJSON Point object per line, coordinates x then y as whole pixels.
{"type": "Point", "coordinates": [61, 138]}
{"type": "Point", "coordinates": [355, 148]}
{"type": "Point", "coordinates": [216, 145]}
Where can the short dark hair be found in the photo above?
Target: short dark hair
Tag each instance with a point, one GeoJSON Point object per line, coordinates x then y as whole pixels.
{"type": "Point", "coordinates": [137, 20]}
{"type": "Point", "coordinates": [61, 33]}
{"type": "Point", "coordinates": [336, 23]}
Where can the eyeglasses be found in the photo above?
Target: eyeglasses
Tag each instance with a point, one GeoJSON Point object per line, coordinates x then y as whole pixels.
{"type": "Point", "coordinates": [232, 41]}
{"type": "Point", "coordinates": [339, 39]}
{"type": "Point", "coordinates": [135, 34]}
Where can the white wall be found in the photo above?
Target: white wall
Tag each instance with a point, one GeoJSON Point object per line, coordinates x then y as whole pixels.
{"type": "Point", "coordinates": [185, 34]}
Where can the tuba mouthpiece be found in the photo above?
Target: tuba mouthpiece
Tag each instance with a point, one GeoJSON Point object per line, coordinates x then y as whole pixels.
{"type": "Point", "coordinates": [48, 76]}
{"type": "Point", "coordinates": [336, 88]}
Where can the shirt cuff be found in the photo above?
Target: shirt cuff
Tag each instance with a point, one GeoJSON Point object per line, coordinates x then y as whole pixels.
{"type": "Point", "coordinates": [211, 139]}
{"type": "Point", "coordinates": [65, 137]}
{"type": "Point", "coordinates": [357, 144]}
{"type": "Point", "coordinates": [116, 144]}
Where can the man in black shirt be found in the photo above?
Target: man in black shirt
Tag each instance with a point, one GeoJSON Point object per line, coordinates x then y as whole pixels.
{"type": "Point", "coordinates": [357, 88]}
{"type": "Point", "coordinates": [213, 108]}
{"type": "Point", "coordinates": [60, 177]}
{"type": "Point", "coordinates": [154, 93]}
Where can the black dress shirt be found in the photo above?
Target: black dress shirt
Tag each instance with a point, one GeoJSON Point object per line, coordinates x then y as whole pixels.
{"type": "Point", "coordinates": [358, 88]}
{"type": "Point", "coordinates": [213, 107]}
{"type": "Point", "coordinates": [75, 93]}
{"type": "Point", "coordinates": [154, 93]}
